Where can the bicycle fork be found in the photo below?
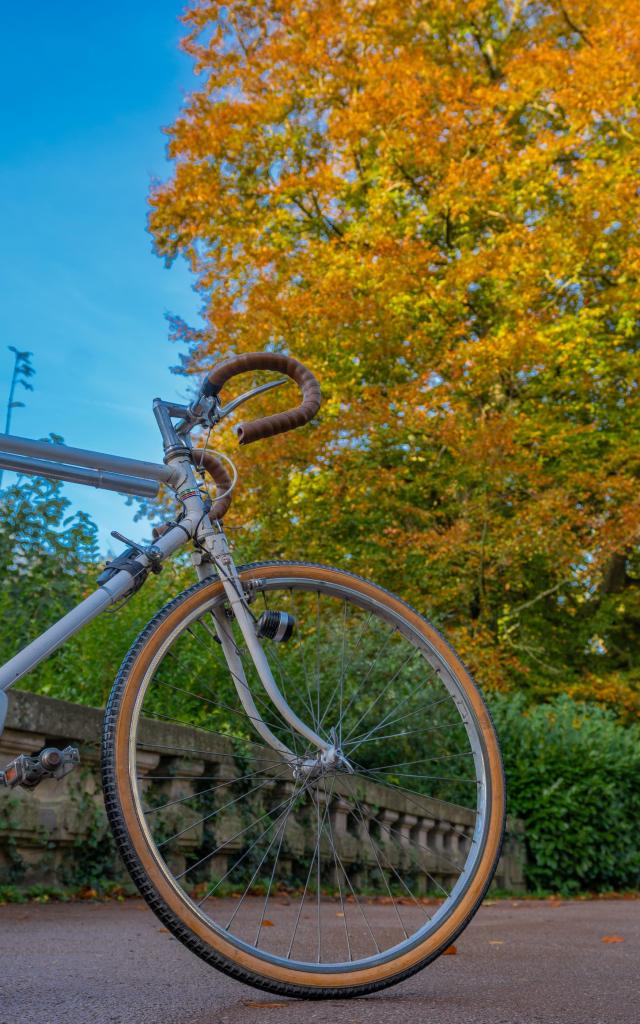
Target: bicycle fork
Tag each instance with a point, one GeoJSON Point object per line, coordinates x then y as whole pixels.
{"type": "Point", "coordinates": [222, 561]}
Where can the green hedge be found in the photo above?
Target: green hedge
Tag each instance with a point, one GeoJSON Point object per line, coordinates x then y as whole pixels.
{"type": "Point", "coordinates": [573, 776]}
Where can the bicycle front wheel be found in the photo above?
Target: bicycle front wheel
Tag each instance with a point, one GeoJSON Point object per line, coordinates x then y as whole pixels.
{"type": "Point", "coordinates": [316, 879]}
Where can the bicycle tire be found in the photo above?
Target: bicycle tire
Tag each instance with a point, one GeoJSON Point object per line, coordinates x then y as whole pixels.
{"type": "Point", "coordinates": [152, 876]}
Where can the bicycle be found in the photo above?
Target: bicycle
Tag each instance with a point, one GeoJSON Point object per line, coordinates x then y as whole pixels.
{"type": "Point", "coordinates": [341, 728]}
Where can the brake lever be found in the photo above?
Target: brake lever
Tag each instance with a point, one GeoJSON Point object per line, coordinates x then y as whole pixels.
{"type": "Point", "coordinates": [224, 410]}
{"type": "Point", "coordinates": [207, 410]}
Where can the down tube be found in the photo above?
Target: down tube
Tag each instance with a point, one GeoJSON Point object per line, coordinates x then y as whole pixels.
{"type": "Point", "coordinates": [83, 613]}
{"type": "Point", "coordinates": [55, 636]}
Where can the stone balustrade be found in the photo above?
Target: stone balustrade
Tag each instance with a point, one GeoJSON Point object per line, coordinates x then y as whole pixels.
{"type": "Point", "coordinates": [57, 834]}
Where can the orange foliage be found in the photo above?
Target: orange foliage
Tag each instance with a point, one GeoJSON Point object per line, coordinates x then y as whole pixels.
{"type": "Point", "coordinates": [436, 206]}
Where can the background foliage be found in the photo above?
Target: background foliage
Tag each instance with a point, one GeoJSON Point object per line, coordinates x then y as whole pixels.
{"type": "Point", "coordinates": [574, 779]}
{"type": "Point", "coordinates": [436, 206]}
{"type": "Point", "coordinates": [573, 769]}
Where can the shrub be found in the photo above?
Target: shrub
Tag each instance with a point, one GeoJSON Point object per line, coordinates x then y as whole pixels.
{"type": "Point", "coordinates": [573, 777]}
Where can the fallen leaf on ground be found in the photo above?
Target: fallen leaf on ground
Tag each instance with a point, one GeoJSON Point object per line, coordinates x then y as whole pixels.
{"type": "Point", "coordinates": [267, 924]}
{"type": "Point", "coordinates": [163, 929]}
{"type": "Point", "coordinates": [450, 951]}
{"type": "Point", "coordinates": [339, 913]}
{"type": "Point", "coordinates": [611, 938]}
{"type": "Point", "coordinates": [496, 942]}
{"type": "Point", "coordinates": [489, 903]}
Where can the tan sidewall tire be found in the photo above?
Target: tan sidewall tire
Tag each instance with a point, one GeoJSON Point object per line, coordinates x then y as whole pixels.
{"type": "Point", "coordinates": [264, 973]}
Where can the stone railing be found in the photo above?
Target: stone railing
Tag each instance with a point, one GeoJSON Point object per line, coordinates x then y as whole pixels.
{"type": "Point", "coordinates": [57, 834]}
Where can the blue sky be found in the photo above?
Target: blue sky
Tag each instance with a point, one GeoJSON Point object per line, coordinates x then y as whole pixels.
{"type": "Point", "coordinates": [86, 90]}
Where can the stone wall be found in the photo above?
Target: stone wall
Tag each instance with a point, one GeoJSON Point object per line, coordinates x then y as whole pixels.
{"type": "Point", "coordinates": [57, 834]}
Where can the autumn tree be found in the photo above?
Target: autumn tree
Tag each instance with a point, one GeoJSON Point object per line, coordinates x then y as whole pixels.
{"type": "Point", "coordinates": [435, 205]}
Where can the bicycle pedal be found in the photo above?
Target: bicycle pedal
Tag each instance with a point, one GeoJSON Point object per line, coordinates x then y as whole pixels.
{"type": "Point", "coordinates": [50, 763]}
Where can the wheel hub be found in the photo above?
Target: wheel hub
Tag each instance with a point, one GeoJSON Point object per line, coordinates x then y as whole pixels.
{"type": "Point", "coordinates": [324, 763]}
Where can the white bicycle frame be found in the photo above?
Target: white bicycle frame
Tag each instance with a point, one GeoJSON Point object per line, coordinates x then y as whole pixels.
{"type": "Point", "coordinates": [213, 557]}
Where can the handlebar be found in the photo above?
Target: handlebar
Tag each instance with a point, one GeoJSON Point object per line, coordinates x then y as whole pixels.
{"type": "Point", "coordinates": [216, 469]}
{"type": "Point", "coordinates": [278, 423]}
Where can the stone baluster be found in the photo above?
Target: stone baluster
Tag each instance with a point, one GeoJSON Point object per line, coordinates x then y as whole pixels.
{"type": "Point", "coordinates": [387, 819]}
{"type": "Point", "coordinates": [362, 823]}
{"type": "Point", "coordinates": [146, 761]}
{"type": "Point", "coordinates": [450, 843]}
{"type": "Point", "coordinates": [462, 843]}
{"type": "Point", "coordinates": [421, 835]}
{"type": "Point", "coordinates": [339, 812]}
{"type": "Point", "coordinates": [465, 842]}
{"type": "Point", "coordinates": [437, 837]}
{"type": "Point", "coordinates": [405, 827]}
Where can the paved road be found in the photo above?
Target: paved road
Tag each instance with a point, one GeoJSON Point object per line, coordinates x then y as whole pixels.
{"type": "Point", "coordinates": [517, 963]}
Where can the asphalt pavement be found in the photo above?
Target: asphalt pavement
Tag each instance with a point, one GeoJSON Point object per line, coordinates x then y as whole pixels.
{"type": "Point", "coordinates": [519, 962]}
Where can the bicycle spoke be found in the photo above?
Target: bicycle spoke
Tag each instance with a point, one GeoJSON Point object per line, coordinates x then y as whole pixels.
{"type": "Point", "coordinates": [201, 793]}
{"type": "Point", "coordinates": [283, 815]}
{"type": "Point", "coordinates": [412, 795]}
{"type": "Point", "coordinates": [377, 739]}
{"type": "Point", "coordinates": [384, 690]}
{"type": "Point", "coordinates": [329, 839]}
{"type": "Point", "coordinates": [389, 829]}
{"type": "Point", "coordinates": [335, 861]}
{"type": "Point", "coordinates": [215, 703]}
{"type": "Point", "coordinates": [309, 873]}
{"type": "Point", "coordinates": [389, 864]}
{"type": "Point", "coordinates": [357, 900]}
{"type": "Point", "coordinates": [318, 875]}
{"type": "Point", "coordinates": [233, 867]}
{"type": "Point", "coordinates": [273, 871]}
{"type": "Point", "coordinates": [216, 811]}
{"type": "Point", "coordinates": [318, 655]}
{"type": "Point", "coordinates": [359, 639]}
{"type": "Point", "coordinates": [227, 842]}
{"type": "Point", "coordinates": [338, 687]}
{"type": "Point", "coordinates": [241, 682]}
{"type": "Point", "coordinates": [421, 760]}
{"type": "Point", "coordinates": [303, 659]}
{"type": "Point", "coordinates": [362, 684]}
{"type": "Point", "coordinates": [382, 874]}
{"type": "Point", "coordinates": [410, 714]}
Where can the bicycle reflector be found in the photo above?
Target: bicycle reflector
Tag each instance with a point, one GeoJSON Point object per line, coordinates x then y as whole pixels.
{"type": "Point", "coordinates": [276, 626]}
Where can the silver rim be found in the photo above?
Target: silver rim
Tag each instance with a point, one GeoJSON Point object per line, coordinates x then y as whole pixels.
{"type": "Point", "coordinates": [388, 847]}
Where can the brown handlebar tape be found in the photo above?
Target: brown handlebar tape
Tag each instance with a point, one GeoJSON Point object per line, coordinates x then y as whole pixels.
{"type": "Point", "coordinates": [216, 469]}
{"type": "Point", "coordinates": [267, 426]}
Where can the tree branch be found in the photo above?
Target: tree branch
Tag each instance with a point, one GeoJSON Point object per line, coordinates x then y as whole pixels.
{"type": "Point", "coordinates": [538, 597]}
{"type": "Point", "coordinates": [413, 181]}
{"type": "Point", "coordinates": [489, 57]}
{"type": "Point", "coordinates": [572, 25]}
